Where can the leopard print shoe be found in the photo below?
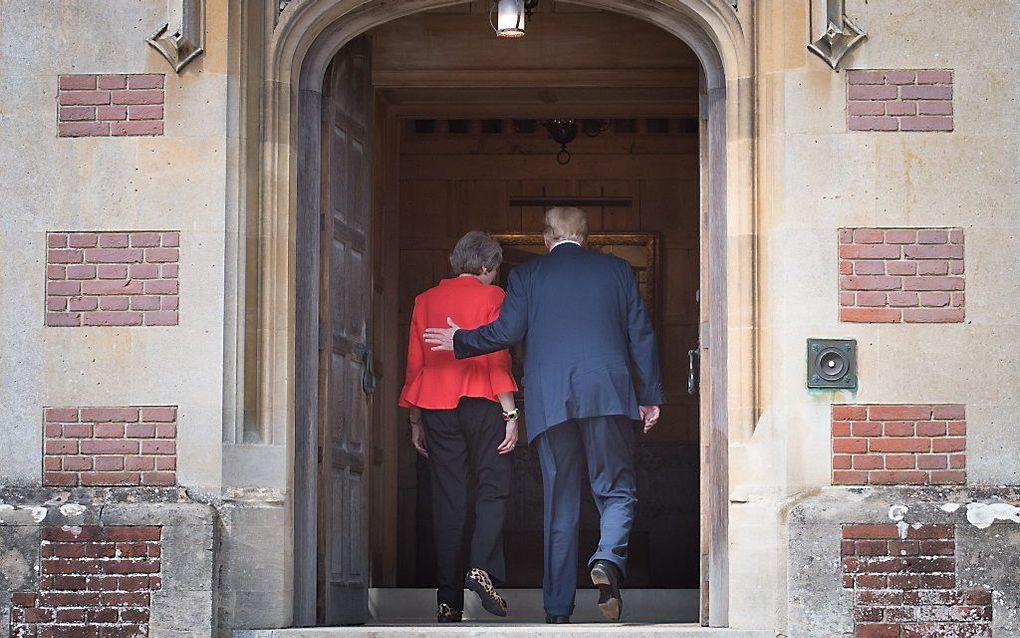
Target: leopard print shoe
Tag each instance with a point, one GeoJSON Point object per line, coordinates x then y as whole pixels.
{"type": "Point", "coordinates": [479, 582]}
{"type": "Point", "coordinates": [447, 613]}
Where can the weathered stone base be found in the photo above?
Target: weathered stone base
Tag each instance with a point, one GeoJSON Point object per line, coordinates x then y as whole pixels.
{"type": "Point", "coordinates": [253, 580]}
{"type": "Point", "coordinates": [826, 600]}
{"type": "Point", "coordinates": [181, 591]}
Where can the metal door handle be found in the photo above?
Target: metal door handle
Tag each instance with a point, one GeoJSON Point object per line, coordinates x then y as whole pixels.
{"type": "Point", "coordinates": [692, 379]}
{"type": "Point", "coordinates": [368, 378]}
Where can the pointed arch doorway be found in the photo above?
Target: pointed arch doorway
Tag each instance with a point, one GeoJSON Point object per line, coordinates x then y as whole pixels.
{"type": "Point", "coordinates": [332, 415]}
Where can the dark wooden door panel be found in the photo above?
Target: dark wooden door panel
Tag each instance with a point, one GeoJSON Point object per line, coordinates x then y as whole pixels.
{"type": "Point", "coordinates": [344, 325]}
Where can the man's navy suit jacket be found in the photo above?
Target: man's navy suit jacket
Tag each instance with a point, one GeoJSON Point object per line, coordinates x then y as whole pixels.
{"type": "Point", "coordinates": [583, 320]}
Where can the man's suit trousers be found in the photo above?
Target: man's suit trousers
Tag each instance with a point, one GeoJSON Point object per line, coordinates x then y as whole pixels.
{"type": "Point", "coordinates": [607, 445]}
{"type": "Point", "coordinates": [462, 446]}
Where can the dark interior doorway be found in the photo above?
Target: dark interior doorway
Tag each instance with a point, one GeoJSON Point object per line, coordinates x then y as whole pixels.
{"type": "Point", "coordinates": [577, 61]}
{"type": "Point", "coordinates": [452, 151]}
{"type": "Point", "coordinates": [466, 174]}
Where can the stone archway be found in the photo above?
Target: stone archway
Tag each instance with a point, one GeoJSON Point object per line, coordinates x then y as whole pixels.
{"type": "Point", "coordinates": [308, 36]}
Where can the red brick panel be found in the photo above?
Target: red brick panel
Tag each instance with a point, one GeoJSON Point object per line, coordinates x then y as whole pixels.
{"type": "Point", "coordinates": [904, 584]}
{"type": "Point", "coordinates": [899, 100]}
{"type": "Point", "coordinates": [110, 446]}
{"type": "Point", "coordinates": [899, 445]}
{"type": "Point", "coordinates": [901, 275]}
{"type": "Point", "coordinates": [96, 582]}
{"type": "Point", "coordinates": [112, 278]}
{"type": "Point", "coordinates": [110, 105]}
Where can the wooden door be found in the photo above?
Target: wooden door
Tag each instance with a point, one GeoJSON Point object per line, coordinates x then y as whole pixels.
{"type": "Point", "coordinates": [345, 379]}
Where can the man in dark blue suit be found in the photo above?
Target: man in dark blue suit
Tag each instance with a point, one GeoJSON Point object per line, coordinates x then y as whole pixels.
{"type": "Point", "coordinates": [584, 322]}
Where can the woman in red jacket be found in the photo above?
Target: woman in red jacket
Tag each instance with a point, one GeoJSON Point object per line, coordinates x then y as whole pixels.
{"type": "Point", "coordinates": [463, 416]}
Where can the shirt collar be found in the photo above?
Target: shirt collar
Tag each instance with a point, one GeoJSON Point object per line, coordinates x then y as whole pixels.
{"type": "Point", "coordinates": [564, 241]}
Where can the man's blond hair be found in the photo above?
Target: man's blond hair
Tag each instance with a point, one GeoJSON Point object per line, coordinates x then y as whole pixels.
{"type": "Point", "coordinates": [565, 223]}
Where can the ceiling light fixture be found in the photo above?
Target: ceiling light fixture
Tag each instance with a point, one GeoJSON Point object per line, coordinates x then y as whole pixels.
{"type": "Point", "coordinates": [511, 16]}
{"type": "Point", "coordinates": [563, 132]}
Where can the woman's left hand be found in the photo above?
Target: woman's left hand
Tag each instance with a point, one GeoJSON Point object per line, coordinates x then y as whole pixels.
{"type": "Point", "coordinates": [418, 438]}
{"type": "Point", "coordinates": [510, 441]}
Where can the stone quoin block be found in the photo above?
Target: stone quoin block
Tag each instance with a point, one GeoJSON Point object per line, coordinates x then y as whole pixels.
{"type": "Point", "coordinates": [901, 275]}
{"type": "Point", "coordinates": [899, 444]}
{"type": "Point", "coordinates": [904, 583]}
{"type": "Point", "coordinates": [95, 581]}
{"type": "Point", "coordinates": [110, 105]}
{"type": "Point", "coordinates": [107, 446]}
{"type": "Point", "coordinates": [899, 100]}
{"type": "Point", "coordinates": [112, 278]}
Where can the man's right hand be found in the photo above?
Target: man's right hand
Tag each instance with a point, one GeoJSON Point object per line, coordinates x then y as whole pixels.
{"type": "Point", "coordinates": [441, 338]}
{"type": "Point", "coordinates": [649, 416]}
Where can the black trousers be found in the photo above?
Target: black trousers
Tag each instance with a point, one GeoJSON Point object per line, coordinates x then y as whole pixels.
{"type": "Point", "coordinates": [462, 446]}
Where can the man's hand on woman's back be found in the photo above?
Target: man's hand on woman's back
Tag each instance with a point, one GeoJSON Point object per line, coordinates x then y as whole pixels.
{"type": "Point", "coordinates": [441, 338]}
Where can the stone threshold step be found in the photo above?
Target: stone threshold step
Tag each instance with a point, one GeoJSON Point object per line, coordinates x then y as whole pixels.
{"type": "Point", "coordinates": [418, 606]}
{"type": "Point", "coordinates": [508, 630]}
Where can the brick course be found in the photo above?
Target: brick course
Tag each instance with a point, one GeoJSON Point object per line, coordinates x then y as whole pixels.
{"type": "Point", "coordinates": [134, 445]}
{"type": "Point", "coordinates": [109, 278]}
{"type": "Point", "coordinates": [899, 100]}
{"type": "Point", "coordinates": [899, 444]}
{"type": "Point", "coordinates": [108, 105]}
{"type": "Point", "coordinates": [904, 584]}
{"type": "Point", "coordinates": [901, 275]}
{"type": "Point", "coordinates": [96, 582]}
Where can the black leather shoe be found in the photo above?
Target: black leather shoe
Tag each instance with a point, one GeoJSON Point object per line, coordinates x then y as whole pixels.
{"type": "Point", "coordinates": [448, 614]}
{"type": "Point", "coordinates": [557, 620]}
{"type": "Point", "coordinates": [606, 576]}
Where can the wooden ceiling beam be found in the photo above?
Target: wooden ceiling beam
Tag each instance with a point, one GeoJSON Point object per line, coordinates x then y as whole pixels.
{"type": "Point", "coordinates": [541, 103]}
{"type": "Point", "coordinates": [525, 78]}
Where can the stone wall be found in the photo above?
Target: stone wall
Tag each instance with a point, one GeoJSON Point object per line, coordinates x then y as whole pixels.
{"type": "Point", "coordinates": [928, 562]}
{"type": "Point", "coordinates": [836, 199]}
{"type": "Point", "coordinates": [113, 277]}
{"type": "Point", "coordinates": [817, 170]}
{"type": "Point", "coordinates": [133, 562]}
{"type": "Point", "coordinates": [113, 287]}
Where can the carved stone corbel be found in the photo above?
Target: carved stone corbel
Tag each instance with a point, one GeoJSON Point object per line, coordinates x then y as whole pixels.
{"type": "Point", "coordinates": [833, 32]}
{"type": "Point", "coordinates": [187, 42]}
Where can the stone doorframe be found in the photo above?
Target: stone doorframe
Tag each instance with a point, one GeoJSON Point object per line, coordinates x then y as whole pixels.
{"type": "Point", "coordinates": [308, 35]}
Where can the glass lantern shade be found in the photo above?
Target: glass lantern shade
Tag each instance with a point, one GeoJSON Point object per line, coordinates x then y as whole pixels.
{"type": "Point", "coordinates": [510, 17]}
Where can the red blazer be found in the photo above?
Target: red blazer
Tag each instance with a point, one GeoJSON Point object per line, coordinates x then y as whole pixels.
{"type": "Point", "coordinates": [436, 380]}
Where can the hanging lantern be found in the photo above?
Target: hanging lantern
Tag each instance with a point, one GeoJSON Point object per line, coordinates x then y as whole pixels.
{"type": "Point", "coordinates": [511, 16]}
